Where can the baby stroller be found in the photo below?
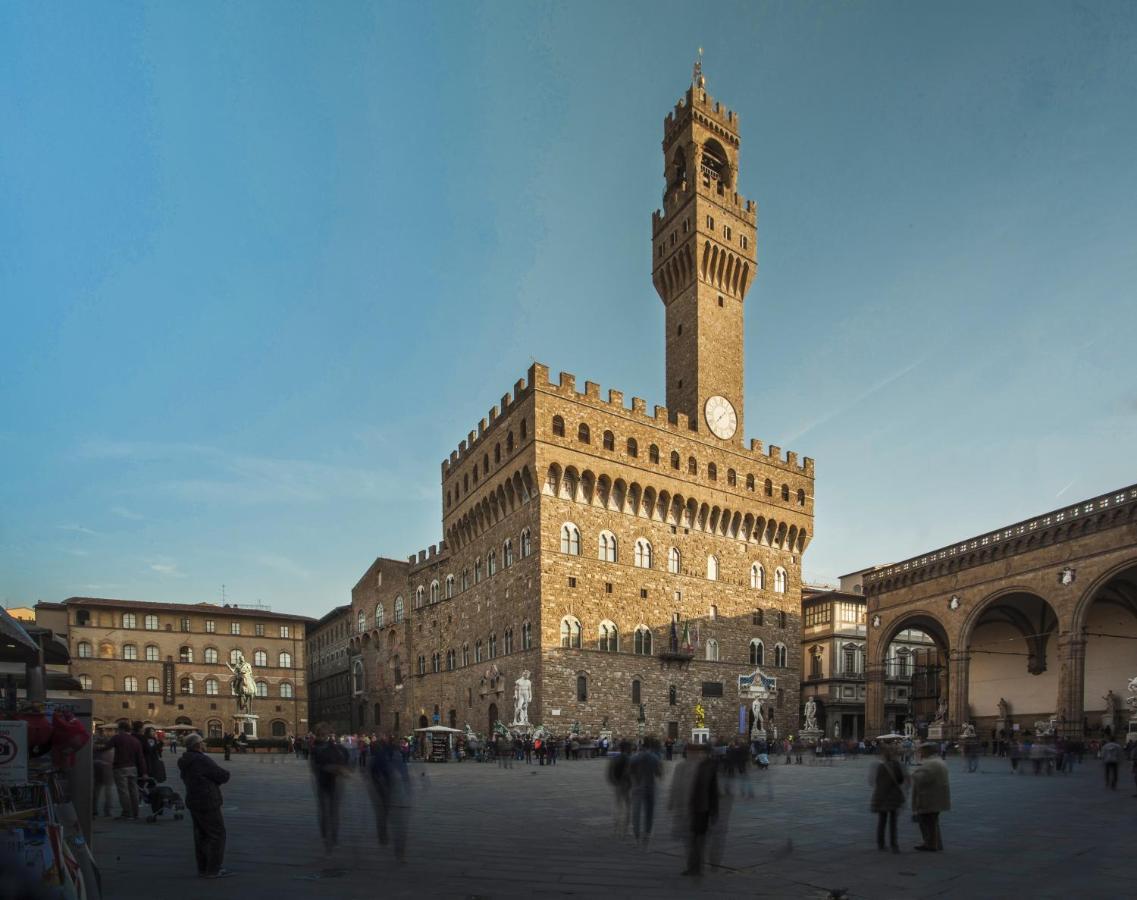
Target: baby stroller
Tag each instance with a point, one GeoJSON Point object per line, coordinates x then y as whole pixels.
{"type": "Point", "coordinates": [162, 800]}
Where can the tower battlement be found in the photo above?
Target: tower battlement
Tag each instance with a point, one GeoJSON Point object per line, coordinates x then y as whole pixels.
{"type": "Point", "coordinates": [696, 102]}
{"type": "Point", "coordinates": [747, 210]}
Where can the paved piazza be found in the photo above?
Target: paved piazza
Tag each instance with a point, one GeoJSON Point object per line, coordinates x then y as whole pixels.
{"type": "Point", "coordinates": [479, 831]}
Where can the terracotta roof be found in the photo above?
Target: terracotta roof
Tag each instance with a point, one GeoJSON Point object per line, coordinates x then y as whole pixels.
{"type": "Point", "coordinates": [186, 607]}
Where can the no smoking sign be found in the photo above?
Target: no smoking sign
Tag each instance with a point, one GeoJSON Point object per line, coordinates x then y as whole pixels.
{"type": "Point", "coordinates": [13, 752]}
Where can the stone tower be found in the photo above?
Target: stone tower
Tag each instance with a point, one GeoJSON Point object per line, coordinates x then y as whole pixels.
{"type": "Point", "coordinates": [704, 260]}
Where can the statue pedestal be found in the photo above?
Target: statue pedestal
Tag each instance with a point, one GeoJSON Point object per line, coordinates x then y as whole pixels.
{"type": "Point", "coordinates": [757, 734]}
{"type": "Point", "coordinates": [937, 731]}
{"type": "Point", "coordinates": [700, 735]}
{"type": "Point", "coordinates": [246, 724]}
{"type": "Point", "coordinates": [811, 735]}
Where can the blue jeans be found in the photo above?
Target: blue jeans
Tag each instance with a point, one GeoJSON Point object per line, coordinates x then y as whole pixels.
{"type": "Point", "coordinates": [643, 805]}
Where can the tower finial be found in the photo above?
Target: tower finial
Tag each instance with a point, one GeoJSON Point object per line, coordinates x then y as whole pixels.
{"type": "Point", "coordinates": [697, 78]}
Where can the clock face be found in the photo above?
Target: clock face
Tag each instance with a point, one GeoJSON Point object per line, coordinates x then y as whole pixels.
{"type": "Point", "coordinates": [721, 417]}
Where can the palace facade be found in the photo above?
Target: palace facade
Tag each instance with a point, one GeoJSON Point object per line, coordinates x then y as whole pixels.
{"type": "Point", "coordinates": [634, 562]}
{"type": "Point", "coordinates": [164, 663]}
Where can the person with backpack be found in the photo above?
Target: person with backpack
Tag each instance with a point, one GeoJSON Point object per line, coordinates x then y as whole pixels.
{"type": "Point", "coordinates": [620, 778]}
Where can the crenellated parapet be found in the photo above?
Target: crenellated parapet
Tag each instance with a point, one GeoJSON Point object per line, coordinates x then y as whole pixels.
{"type": "Point", "coordinates": [474, 439]}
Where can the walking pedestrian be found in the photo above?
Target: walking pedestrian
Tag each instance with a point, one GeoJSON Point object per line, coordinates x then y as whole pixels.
{"type": "Point", "coordinates": [1111, 756]}
{"type": "Point", "coordinates": [620, 778]}
{"type": "Point", "coordinates": [103, 774]}
{"type": "Point", "coordinates": [391, 796]}
{"type": "Point", "coordinates": [152, 753]}
{"type": "Point", "coordinates": [701, 805]}
{"type": "Point", "coordinates": [203, 779]}
{"type": "Point", "coordinates": [889, 781]}
{"type": "Point", "coordinates": [227, 744]}
{"type": "Point", "coordinates": [128, 765]}
{"type": "Point", "coordinates": [330, 762]}
{"type": "Point", "coordinates": [931, 795]}
{"type": "Point", "coordinates": [646, 769]}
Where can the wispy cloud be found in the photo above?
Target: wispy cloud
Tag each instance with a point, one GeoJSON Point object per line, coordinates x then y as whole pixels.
{"type": "Point", "coordinates": [169, 570]}
{"type": "Point", "coordinates": [74, 551]}
{"type": "Point", "coordinates": [854, 401]}
{"type": "Point", "coordinates": [123, 513]}
{"type": "Point", "coordinates": [77, 529]}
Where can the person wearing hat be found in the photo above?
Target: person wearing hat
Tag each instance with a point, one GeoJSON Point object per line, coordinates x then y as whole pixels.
{"type": "Point", "coordinates": [203, 779]}
{"type": "Point", "coordinates": [931, 795]}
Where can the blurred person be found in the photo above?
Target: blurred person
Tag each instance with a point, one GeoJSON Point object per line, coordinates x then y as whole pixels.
{"type": "Point", "coordinates": [203, 779]}
{"type": "Point", "coordinates": [889, 781]}
{"type": "Point", "coordinates": [152, 753]}
{"type": "Point", "coordinates": [128, 765]}
{"type": "Point", "coordinates": [330, 762]}
{"type": "Point", "coordinates": [700, 804]}
{"type": "Point", "coordinates": [931, 795]}
{"type": "Point", "coordinates": [620, 778]}
{"type": "Point", "coordinates": [1111, 756]}
{"type": "Point", "coordinates": [646, 769]}
{"type": "Point", "coordinates": [103, 773]}
{"type": "Point", "coordinates": [391, 796]}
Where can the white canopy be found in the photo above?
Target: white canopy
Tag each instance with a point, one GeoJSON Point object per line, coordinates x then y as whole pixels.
{"type": "Point", "coordinates": [442, 729]}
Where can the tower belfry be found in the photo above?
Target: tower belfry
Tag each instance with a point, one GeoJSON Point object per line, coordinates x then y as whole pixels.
{"type": "Point", "coordinates": [704, 258]}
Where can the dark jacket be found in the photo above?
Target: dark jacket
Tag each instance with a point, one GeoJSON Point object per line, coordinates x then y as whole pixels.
{"type": "Point", "coordinates": [703, 805]}
{"type": "Point", "coordinates": [127, 752]}
{"type": "Point", "coordinates": [327, 761]}
{"type": "Point", "coordinates": [889, 780]}
{"type": "Point", "coordinates": [202, 777]}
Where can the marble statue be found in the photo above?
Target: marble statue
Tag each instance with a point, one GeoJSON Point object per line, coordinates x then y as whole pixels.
{"type": "Point", "coordinates": [1131, 700]}
{"type": "Point", "coordinates": [756, 708]}
{"type": "Point", "coordinates": [941, 712]}
{"type": "Point", "coordinates": [700, 716]}
{"type": "Point", "coordinates": [1110, 699]}
{"type": "Point", "coordinates": [1046, 728]}
{"type": "Point", "coordinates": [810, 715]}
{"type": "Point", "coordinates": [244, 687]}
{"type": "Point", "coordinates": [966, 731]}
{"type": "Point", "coordinates": [522, 694]}
{"type": "Point", "coordinates": [909, 729]}
{"type": "Point", "coordinates": [1004, 710]}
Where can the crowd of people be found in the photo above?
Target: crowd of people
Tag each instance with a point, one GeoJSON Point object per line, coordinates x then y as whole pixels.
{"type": "Point", "coordinates": [704, 785]}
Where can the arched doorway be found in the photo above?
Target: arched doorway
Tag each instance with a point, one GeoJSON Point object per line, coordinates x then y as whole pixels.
{"type": "Point", "coordinates": [492, 718]}
{"type": "Point", "coordinates": [1109, 628]}
{"type": "Point", "coordinates": [1011, 646]}
{"type": "Point", "coordinates": [909, 675]}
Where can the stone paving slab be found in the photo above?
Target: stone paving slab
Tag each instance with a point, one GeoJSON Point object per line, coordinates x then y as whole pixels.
{"type": "Point", "coordinates": [480, 831]}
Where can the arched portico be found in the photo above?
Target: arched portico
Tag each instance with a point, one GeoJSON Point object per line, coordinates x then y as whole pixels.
{"type": "Point", "coordinates": [880, 636]}
{"type": "Point", "coordinates": [1104, 622]}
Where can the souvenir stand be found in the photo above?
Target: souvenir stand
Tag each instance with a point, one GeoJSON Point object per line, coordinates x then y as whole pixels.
{"type": "Point", "coordinates": [45, 770]}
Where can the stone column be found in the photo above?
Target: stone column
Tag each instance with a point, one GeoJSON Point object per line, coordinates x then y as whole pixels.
{"type": "Point", "coordinates": [959, 710]}
{"type": "Point", "coordinates": [1070, 707]}
{"type": "Point", "coordinates": [874, 699]}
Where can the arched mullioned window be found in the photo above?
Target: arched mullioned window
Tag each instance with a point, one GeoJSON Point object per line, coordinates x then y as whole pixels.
{"type": "Point", "coordinates": [781, 654]}
{"type": "Point", "coordinates": [731, 477]}
{"type": "Point", "coordinates": [712, 568]}
{"type": "Point", "coordinates": [558, 426]}
{"type": "Point", "coordinates": [583, 434]}
{"type": "Point", "coordinates": [653, 454]}
{"type": "Point", "coordinates": [769, 488]}
{"type": "Point", "coordinates": [507, 553]}
{"type": "Point", "coordinates": [582, 688]}
{"type": "Point", "coordinates": [571, 632]}
{"type": "Point", "coordinates": [609, 637]}
{"type": "Point", "coordinates": [785, 492]}
{"type": "Point", "coordinates": [509, 443]}
{"type": "Point", "coordinates": [758, 577]}
{"type": "Point", "coordinates": [609, 441]}
{"type": "Point", "coordinates": [712, 472]}
{"type": "Point", "coordinates": [419, 593]}
{"type": "Point", "coordinates": [493, 562]}
{"type": "Point", "coordinates": [570, 539]}
{"type": "Point", "coordinates": [435, 594]}
{"type": "Point", "coordinates": [643, 553]}
{"type": "Point", "coordinates": [449, 586]}
{"type": "Point", "coordinates": [526, 636]}
{"type": "Point", "coordinates": [801, 496]}
{"type": "Point", "coordinates": [675, 460]}
{"type": "Point", "coordinates": [398, 609]}
{"type": "Point", "coordinates": [779, 580]}
{"type": "Point", "coordinates": [712, 650]}
{"type": "Point", "coordinates": [607, 546]}
{"type": "Point", "coordinates": [749, 482]}
{"type": "Point", "coordinates": [673, 560]}
{"type": "Point", "coordinates": [478, 570]}
{"type": "Point", "coordinates": [633, 448]}
{"type": "Point", "coordinates": [692, 466]}
{"type": "Point", "coordinates": [642, 640]}
{"type": "Point", "coordinates": [526, 543]}
{"type": "Point", "coordinates": [757, 652]}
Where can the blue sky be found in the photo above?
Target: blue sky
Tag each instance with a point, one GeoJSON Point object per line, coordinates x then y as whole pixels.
{"type": "Point", "coordinates": [265, 264]}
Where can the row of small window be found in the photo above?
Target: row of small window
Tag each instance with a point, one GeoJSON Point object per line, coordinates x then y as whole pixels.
{"type": "Point", "coordinates": [150, 623]}
{"type": "Point", "coordinates": [482, 651]}
{"type": "Point", "coordinates": [486, 464]}
{"type": "Point", "coordinates": [153, 686]}
{"type": "Point", "coordinates": [584, 435]}
{"type": "Point", "coordinates": [151, 653]}
{"type": "Point", "coordinates": [447, 588]}
{"type": "Point", "coordinates": [608, 641]}
{"type": "Point", "coordinates": [727, 233]}
{"type": "Point", "coordinates": [642, 557]}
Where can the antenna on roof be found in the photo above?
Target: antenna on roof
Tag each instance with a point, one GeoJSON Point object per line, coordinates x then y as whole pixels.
{"type": "Point", "coordinates": [222, 595]}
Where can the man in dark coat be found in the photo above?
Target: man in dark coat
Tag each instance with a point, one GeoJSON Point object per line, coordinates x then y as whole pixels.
{"type": "Point", "coordinates": [702, 805]}
{"type": "Point", "coordinates": [129, 765]}
{"type": "Point", "coordinates": [203, 779]}
{"type": "Point", "coordinates": [889, 781]}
